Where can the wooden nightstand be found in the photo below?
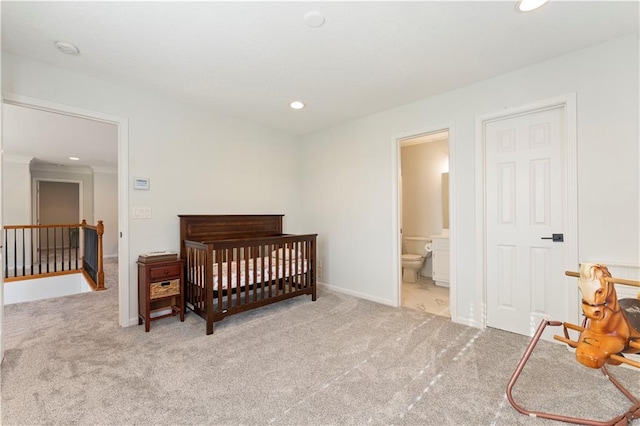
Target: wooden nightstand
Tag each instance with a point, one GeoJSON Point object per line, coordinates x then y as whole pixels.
{"type": "Point", "coordinates": [160, 286]}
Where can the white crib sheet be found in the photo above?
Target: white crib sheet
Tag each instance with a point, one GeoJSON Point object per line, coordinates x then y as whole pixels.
{"type": "Point", "coordinates": [248, 279]}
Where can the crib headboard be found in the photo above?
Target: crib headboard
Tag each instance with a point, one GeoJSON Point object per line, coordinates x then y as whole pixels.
{"type": "Point", "coordinates": [208, 227]}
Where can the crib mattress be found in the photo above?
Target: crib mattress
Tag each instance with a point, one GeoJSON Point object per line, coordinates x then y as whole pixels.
{"type": "Point", "coordinates": [253, 272]}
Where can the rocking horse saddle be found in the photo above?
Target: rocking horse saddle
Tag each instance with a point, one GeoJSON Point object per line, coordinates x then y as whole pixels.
{"type": "Point", "coordinates": [631, 309]}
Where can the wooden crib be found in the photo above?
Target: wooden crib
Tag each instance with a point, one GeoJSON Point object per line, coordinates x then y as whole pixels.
{"type": "Point", "coordinates": [239, 262]}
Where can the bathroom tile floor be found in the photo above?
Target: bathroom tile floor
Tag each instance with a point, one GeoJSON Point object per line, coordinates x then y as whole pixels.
{"type": "Point", "coordinates": [424, 295]}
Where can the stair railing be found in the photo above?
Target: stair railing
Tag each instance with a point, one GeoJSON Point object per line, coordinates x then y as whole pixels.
{"type": "Point", "coordinates": [37, 251]}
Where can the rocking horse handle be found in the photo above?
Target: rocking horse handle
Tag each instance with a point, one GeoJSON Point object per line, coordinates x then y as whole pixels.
{"type": "Point", "coordinates": [623, 281]}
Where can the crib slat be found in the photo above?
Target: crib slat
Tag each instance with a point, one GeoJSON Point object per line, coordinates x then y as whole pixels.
{"type": "Point", "coordinates": [193, 278]}
{"type": "Point", "coordinates": [229, 254]}
{"type": "Point", "coordinates": [247, 287]}
{"type": "Point", "coordinates": [300, 275]}
{"type": "Point", "coordinates": [277, 270]}
{"type": "Point", "coordinates": [286, 268]}
{"type": "Point", "coordinates": [200, 289]}
{"type": "Point", "coordinates": [270, 262]}
{"type": "Point", "coordinates": [290, 266]}
{"type": "Point", "coordinates": [254, 287]}
{"type": "Point", "coordinates": [195, 292]}
{"type": "Point", "coordinates": [192, 265]}
{"type": "Point", "coordinates": [198, 279]}
{"type": "Point", "coordinates": [261, 254]}
{"type": "Point", "coordinates": [294, 267]}
{"type": "Point", "coordinates": [309, 264]}
{"type": "Point", "coordinates": [306, 264]}
{"type": "Point", "coordinates": [221, 283]}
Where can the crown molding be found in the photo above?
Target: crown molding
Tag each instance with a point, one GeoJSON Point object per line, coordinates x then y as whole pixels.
{"type": "Point", "coordinates": [60, 169]}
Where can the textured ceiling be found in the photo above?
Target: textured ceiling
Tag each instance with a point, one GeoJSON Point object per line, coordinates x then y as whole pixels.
{"type": "Point", "coordinates": [250, 59]}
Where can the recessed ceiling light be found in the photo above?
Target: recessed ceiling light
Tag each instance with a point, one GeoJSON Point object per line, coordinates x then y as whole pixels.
{"type": "Point", "coordinates": [296, 105]}
{"type": "Point", "coordinates": [74, 159]}
{"type": "Point", "coordinates": [529, 5]}
{"type": "Point", "coordinates": [314, 19]}
{"type": "Point", "coordinates": [67, 48]}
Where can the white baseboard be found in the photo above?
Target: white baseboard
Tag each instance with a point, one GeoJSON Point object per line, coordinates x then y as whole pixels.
{"type": "Point", "coordinates": [356, 294]}
{"type": "Point", "coordinates": [468, 322]}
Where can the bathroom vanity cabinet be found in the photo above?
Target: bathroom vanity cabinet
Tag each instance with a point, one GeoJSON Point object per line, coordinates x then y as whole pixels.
{"type": "Point", "coordinates": [440, 259]}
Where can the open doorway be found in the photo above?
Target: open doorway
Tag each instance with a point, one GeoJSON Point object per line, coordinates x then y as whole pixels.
{"type": "Point", "coordinates": [424, 222]}
{"type": "Point", "coordinates": [57, 202]}
{"type": "Point", "coordinates": [120, 190]}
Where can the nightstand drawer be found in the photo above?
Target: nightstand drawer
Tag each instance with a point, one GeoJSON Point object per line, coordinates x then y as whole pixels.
{"type": "Point", "coordinates": [164, 289]}
{"type": "Point", "coordinates": [161, 272]}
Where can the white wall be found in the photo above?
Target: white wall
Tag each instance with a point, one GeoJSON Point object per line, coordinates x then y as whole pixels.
{"type": "Point", "coordinates": [105, 208]}
{"type": "Point", "coordinates": [422, 168]}
{"type": "Point", "coordinates": [350, 167]}
{"type": "Point", "coordinates": [44, 288]}
{"type": "Point", "coordinates": [197, 161]}
{"type": "Point", "coordinates": [16, 187]}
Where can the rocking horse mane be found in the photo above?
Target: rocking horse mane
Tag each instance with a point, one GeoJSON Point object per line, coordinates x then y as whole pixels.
{"type": "Point", "coordinates": [590, 270]}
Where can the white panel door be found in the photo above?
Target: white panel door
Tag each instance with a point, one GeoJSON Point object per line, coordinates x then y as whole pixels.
{"type": "Point", "coordinates": [525, 181]}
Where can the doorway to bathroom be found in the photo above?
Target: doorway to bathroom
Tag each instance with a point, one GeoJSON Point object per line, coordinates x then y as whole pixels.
{"type": "Point", "coordinates": [423, 194]}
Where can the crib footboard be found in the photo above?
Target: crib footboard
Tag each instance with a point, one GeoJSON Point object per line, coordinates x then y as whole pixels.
{"type": "Point", "coordinates": [196, 273]}
{"type": "Point", "coordinates": [231, 276]}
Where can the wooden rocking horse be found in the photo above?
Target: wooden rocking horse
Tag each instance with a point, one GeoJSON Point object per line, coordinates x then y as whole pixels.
{"type": "Point", "coordinates": [610, 329]}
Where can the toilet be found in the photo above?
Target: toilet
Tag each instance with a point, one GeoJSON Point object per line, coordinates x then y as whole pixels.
{"type": "Point", "coordinates": [415, 250]}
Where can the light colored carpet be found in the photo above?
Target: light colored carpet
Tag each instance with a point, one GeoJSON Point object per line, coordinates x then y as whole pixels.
{"type": "Point", "coordinates": [337, 361]}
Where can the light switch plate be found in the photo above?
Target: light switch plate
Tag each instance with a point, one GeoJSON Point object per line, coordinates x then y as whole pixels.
{"type": "Point", "coordinates": [142, 212]}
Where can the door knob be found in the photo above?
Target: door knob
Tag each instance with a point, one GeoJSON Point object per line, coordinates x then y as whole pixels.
{"type": "Point", "coordinates": [556, 238]}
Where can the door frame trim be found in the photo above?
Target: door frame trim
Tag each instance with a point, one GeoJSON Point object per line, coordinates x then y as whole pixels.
{"type": "Point", "coordinates": [123, 188]}
{"type": "Point", "coordinates": [568, 102]}
{"type": "Point", "coordinates": [396, 237]}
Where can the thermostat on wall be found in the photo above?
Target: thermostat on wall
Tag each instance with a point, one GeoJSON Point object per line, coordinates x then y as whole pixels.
{"type": "Point", "coordinates": [141, 183]}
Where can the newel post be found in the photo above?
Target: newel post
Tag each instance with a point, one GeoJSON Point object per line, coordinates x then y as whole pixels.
{"type": "Point", "coordinates": [100, 231]}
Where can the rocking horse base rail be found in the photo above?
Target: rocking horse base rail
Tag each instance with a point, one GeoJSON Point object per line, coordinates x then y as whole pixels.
{"type": "Point", "coordinates": [622, 420]}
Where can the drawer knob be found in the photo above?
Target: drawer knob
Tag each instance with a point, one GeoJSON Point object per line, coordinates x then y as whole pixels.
{"type": "Point", "coordinates": [166, 271]}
